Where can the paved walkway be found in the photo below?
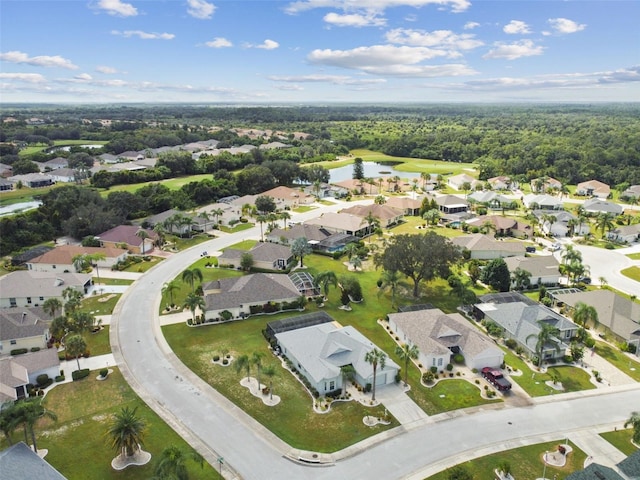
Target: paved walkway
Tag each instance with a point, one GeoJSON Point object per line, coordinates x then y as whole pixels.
{"type": "Point", "coordinates": [599, 450]}
{"type": "Point", "coordinates": [611, 376]}
{"type": "Point", "coordinates": [398, 403]}
{"type": "Point", "coordinates": [92, 363]}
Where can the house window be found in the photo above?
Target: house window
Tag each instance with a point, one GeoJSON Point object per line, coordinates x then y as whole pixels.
{"type": "Point", "coordinates": [434, 362]}
{"type": "Point", "coordinates": [41, 299]}
{"type": "Point", "coordinates": [439, 362]}
{"type": "Point", "coordinates": [13, 342]}
{"type": "Point", "coordinates": [29, 300]}
{"type": "Point", "coordinates": [12, 302]}
{"type": "Point", "coordinates": [54, 267]}
{"type": "Point", "coordinates": [332, 385]}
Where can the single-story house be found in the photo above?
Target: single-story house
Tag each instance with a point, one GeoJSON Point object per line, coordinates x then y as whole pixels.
{"type": "Point", "coordinates": [63, 175]}
{"type": "Point", "coordinates": [407, 205]}
{"type": "Point", "coordinates": [593, 188]}
{"type": "Point", "coordinates": [618, 314]}
{"type": "Point", "coordinates": [520, 318]}
{"type": "Point", "coordinates": [128, 235]}
{"type": "Point", "coordinates": [626, 234]}
{"type": "Point", "coordinates": [440, 336]}
{"type": "Point", "coordinates": [597, 205]}
{"type": "Point", "coordinates": [632, 192]}
{"type": "Point", "coordinates": [53, 164]}
{"type": "Point", "coordinates": [387, 216]}
{"type": "Point", "coordinates": [542, 184]}
{"type": "Point", "coordinates": [319, 238]}
{"type": "Point", "coordinates": [490, 199]}
{"type": "Point", "coordinates": [341, 223]}
{"type": "Point", "coordinates": [23, 328]}
{"type": "Point", "coordinates": [560, 223]}
{"type": "Point", "coordinates": [542, 202]}
{"type": "Point", "coordinates": [544, 269]}
{"type": "Point", "coordinates": [130, 156]}
{"type": "Point", "coordinates": [288, 197]}
{"type": "Point", "coordinates": [247, 295]}
{"type": "Point", "coordinates": [449, 204]}
{"type": "Point", "coordinates": [107, 158]}
{"type": "Point", "coordinates": [483, 247]}
{"type": "Point", "coordinates": [500, 183]}
{"type": "Point", "coordinates": [320, 351]}
{"type": "Point", "coordinates": [32, 180]}
{"type": "Point", "coordinates": [457, 181]}
{"type": "Point", "coordinates": [229, 215]}
{"type": "Point", "coordinates": [17, 371]}
{"type": "Point", "coordinates": [60, 259]}
{"type": "Point", "coordinates": [503, 226]}
{"type": "Point", "coordinates": [266, 256]}
{"type": "Point", "coordinates": [5, 170]}
{"type": "Point", "coordinates": [20, 461]}
{"type": "Point", "coordinates": [25, 288]}
{"type": "Point", "coordinates": [360, 187]}
{"type": "Point", "coordinates": [5, 185]}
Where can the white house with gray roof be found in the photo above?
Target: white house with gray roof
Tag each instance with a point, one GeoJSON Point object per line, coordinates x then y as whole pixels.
{"type": "Point", "coordinates": [341, 223]}
{"type": "Point", "coordinates": [597, 205]}
{"type": "Point", "coordinates": [544, 270]}
{"type": "Point", "coordinates": [440, 336]}
{"type": "Point", "coordinates": [267, 256]}
{"type": "Point", "coordinates": [17, 371]}
{"type": "Point", "coordinates": [23, 328]}
{"type": "Point", "coordinates": [483, 247]}
{"type": "Point", "coordinates": [626, 233]}
{"type": "Point", "coordinates": [20, 461]}
{"type": "Point", "coordinates": [26, 288]}
{"type": "Point", "coordinates": [318, 352]}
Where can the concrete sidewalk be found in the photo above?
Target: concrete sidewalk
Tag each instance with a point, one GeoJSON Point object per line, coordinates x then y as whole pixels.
{"type": "Point", "coordinates": [396, 401]}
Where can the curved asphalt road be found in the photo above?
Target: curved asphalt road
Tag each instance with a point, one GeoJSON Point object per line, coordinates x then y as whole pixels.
{"type": "Point", "coordinates": [217, 428]}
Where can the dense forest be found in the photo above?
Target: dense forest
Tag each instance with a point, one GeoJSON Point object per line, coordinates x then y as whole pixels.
{"type": "Point", "coordinates": [572, 143]}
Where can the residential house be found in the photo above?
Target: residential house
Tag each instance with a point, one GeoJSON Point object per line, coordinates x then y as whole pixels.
{"type": "Point", "coordinates": [130, 156]}
{"type": "Point", "coordinates": [319, 239]}
{"type": "Point", "coordinates": [542, 202]}
{"type": "Point", "coordinates": [247, 295]}
{"type": "Point", "coordinates": [53, 164]}
{"type": "Point", "coordinates": [274, 146]}
{"type": "Point", "coordinates": [286, 197]}
{"type": "Point", "coordinates": [129, 235]}
{"type": "Point", "coordinates": [320, 351]}
{"type": "Point", "coordinates": [386, 216]}
{"type": "Point", "coordinates": [440, 336]}
{"type": "Point", "coordinates": [63, 175]}
{"type": "Point", "coordinates": [619, 314]}
{"type": "Point", "coordinates": [20, 461]}
{"type": "Point", "coordinates": [597, 206]}
{"type": "Point", "coordinates": [449, 204]}
{"type": "Point", "coordinates": [500, 183]}
{"type": "Point", "coordinates": [22, 327]}
{"type": "Point", "coordinates": [544, 269]}
{"type": "Point", "coordinates": [503, 226]}
{"type": "Point", "coordinates": [108, 158]}
{"type": "Point", "coordinates": [32, 180]}
{"type": "Point", "coordinates": [24, 288]}
{"type": "Point", "coordinates": [407, 205]}
{"type": "Point", "coordinates": [520, 318]}
{"type": "Point", "coordinates": [5, 185]}
{"type": "Point", "coordinates": [560, 223]}
{"type": "Point", "coordinates": [342, 223]}
{"type": "Point", "coordinates": [60, 259]}
{"type": "Point", "coordinates": [595, 471]}
{"type": "Point", "coordinates": [457, 181]}
{"type": "Point", "coordinates": [543, 184]}
{"type": "Point", "coordinates": [360, 187]}
{"type": "Point", "coordinates": [24, 257]}
{"type": "Point", "coordinates": [631, 194]}
{"type": "Point", "coordinates": [166, 219]}
{"type": "Point", "coordinates": [18, 371]}
{"type": "Point", "coordinates": [5, 170]}
{"type": "Point", "coordinates": [266, 256]}
{"type": "Point", "coordinates": [625, 234]}
{"type": "Point", "coordinates": [490, 199]}
{"type": "Point", "coordinates": [483, 247]}
{"type": "Point", "coordinates": [324, 190]}
{"type": "Point", "coordinates": [229, 216]}
{"type": "Point", "coordinates": [593, 188]}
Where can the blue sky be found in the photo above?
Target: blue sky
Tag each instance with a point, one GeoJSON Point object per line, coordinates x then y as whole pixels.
{"type": "Point", "coordinates": [195, 51]}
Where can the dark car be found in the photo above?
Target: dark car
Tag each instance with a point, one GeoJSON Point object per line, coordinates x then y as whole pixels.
{"type": "Point", "coordinates": [530, 249]}
{"type": "Point", "coordinates": [495, 378]}
{"type": "Point", "coordinates": [586, 280]}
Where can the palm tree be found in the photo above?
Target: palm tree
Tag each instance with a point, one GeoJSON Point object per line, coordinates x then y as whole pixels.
{"type": "Point", "coordinates": [51, 306]}
{"type": "Point", "coordinates": [432, 216]}
{"type": "Point", "coordinates": [191, 275]}
{"type": "Point", "coordinates": [547, 335]}
{"type": "Point", "coordinates": [143, 235]}
{"type": "Point", "coordinates": [82, 322]}
{"type": "Point", "coordinates": [324, 280]}
{"type": "Point", "coordinates": [127, 432]}
{"type": "Point", "coordinates": [256, 359]}
{"type": "Point", "coordinates": [583, 314]}
{"type": "Point", "coordinates": [299, 248]}
{"type": "Point", "coordinates": [28, 412]}
{"type": "Point", "coordinates": [425, 176]}
{"type": "Point", "coordinates": [348, 374]}
{"type": "Point", "coordinates": [80, 262]}
{"type": "Point", "coordinates": [169, 288]}
{"type": "Point", "coordinates": [72, 298]}
{"type": "Point", "coordinates": [160, 231]}
{"type": "Point", "coordinates": [284, 215]}
{"type": "Point", "coordinates": [75, 346]}
{"type": "Point", "coordinates": [206, 217]}
{"type": "Point", "coordinates": [375, 358]}
{"type": "Point", "coordinates": [521, 279]}
{"type": "Point", "coordinates": [634, 421]}
{"type": "Point", "coordinates": [407, 352]}
{"type": "Point", "coordinates": [9, 419]}
{"type": "Point", "coordinates": [193, 302]}
{"type": "Point", "coordinates": [604, 221]}
{"type": "Point", "coordinates": [603, 282]}
{"type": "Point", "coordinates": [316, 189]}
{"type": "Point", "coordinates": [243, 362]}
{"type": "Point", "coordinates": [391, 282]}
{"type": "Point", "coordinates": [172, 464]}
{"type": "Point", "coordinates": [261, 219]}
{"type": "Point", "coordinates": [270, 371]}
{"type": "Point", "coordinates": [93, 259]}
{"type": "Point", "coordinates": [356, 262]}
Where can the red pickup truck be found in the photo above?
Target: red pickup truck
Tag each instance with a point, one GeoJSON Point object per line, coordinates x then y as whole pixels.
{"type": "Point", "coordinates": [495, 378]}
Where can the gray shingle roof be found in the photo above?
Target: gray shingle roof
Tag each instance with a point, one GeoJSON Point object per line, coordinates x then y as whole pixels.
{"type": "Point", "coordinates": [595, 471]}
{"type": "Point", "coordinates": [19, 462]}
{"type": "Point", "coordinates": [538, 266]}
{"type": "Point", "coordinates": [16, 323]}
{"type": "Point", "coordinates": [249, 289]}
{"type": "Point", "coordinates": [25, 283]}
{"type": "Point", "coordinates": [630, 466]}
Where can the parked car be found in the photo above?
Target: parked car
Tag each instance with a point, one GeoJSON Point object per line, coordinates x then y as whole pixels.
{"type": "Point", "coordinates": [495, 378]}
{"type": "Point", "coordinates": [530, 249]}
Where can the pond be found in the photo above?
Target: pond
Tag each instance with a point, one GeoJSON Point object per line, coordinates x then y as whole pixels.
{"type": "Point", "coordinates": [67, 148]}
{"type": "Point", "coordinates": [371, 170]}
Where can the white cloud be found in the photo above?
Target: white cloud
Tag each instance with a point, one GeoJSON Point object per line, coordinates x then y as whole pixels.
{"type": "Point", "coordinates": [200, 9]}
{"type": "Point", "coordinates": [289, 88]}
{"type": "Point", "coordinates": [143, 35]}
{"type": "Point", "coordinates": [564, 25]}
{"type": "Point", "coordinates": [219, 42]}
{"type": "Point", "coordinates": [84, 77]}
{"type": "Point", "coordinates": [23, 77]}
{"type": "Point", "coordinates": [106, 70]}
{"type": "Point", "coordinates": [512, 51]}
{"type": "Point", "coordinates": [373, 5]}
{"type": "Point", "coordinates": [333, 79]}
{"type": "Point", "coordinates": [118, 8]}
{"type": "Point", "coordinates": [39, 61]}
{"type": "Point", "coordinates": [437, 38]}
{"type": "Point", "coordinates": [471, 25]}
{"type": "Point", "coordinates": [412, 17]}
{"type": "Point", "coordinates": [515, 27]}
{"type": "Point", "coordinates": [354, 20]}
{"type": "Point", "coordinates": [266, 45]}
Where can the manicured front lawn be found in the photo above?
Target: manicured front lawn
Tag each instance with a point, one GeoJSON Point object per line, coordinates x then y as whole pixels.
{"type": "Point", "coordinates": [243, 245]}
{"type": "Point", "coordinates": [634, 256]}
{"type": "Point", "coordinates": [621, 439]}
{"type": "Point", "coordinates": [238, 227]}
{"type": "Point", "coordinates": [113, 281]}
{"type": "Point", "coordinates": [303, 208]}
{"type": "Point", "coordinates": [619, 360]}
{"type": "Point", "coordinates": [526, 463]}
{"type": "Point", "coordinates": [632, 272]}
{"type": "Point", "coordinates": [144, 265]}
{"type": "Point", "coordinates": [100, 304]}
{"type": "Point", "coordinates": [448, 395]}
{"type": "Point", "coordinates": [98, 343]}
{"type": "Point", "coordinates": [77, 442]}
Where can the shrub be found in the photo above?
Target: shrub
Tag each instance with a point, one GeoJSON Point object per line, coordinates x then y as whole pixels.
{"type": "Point", "coordinates": [367, 388]}
{"type": "Point", "coordinates": [567, 359]}
{"type": "Point", "coordinates": [60, 378]}
{"type": "Point", "coordinates": [104, 372]}
{"type": "Point", "coordinates": [35, 349]}
{"type": "Point", "coordinates": [449, 367]}
{"type": "Point", "coordinates": [225, 361]}
{"type": "Point", "coordinates": [80, 374]}
{"type": "Point", "coordinates": [19, 351]}
{"type": "Point", "coordinates": [216, 358]}
{"type": "Point", "coordinates": [458, 359]}
{"type": "Point", "coordinates": [42, 379]}
{"type": "Point", "coordinates": [589, 342]}
{"type": "Point", "coordinates": [477, 382]}
{"type": "Point", "coordinates": [433, 369]}
{"type": "Point", "coordinates": [511, 343]}
{"type": "Point", "coordinates": [226, 315]}
{"type": "Point", "coordinates": [427, 377]}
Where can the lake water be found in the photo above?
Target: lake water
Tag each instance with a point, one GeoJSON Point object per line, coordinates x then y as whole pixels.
{"type": "Point", "coordinates": [18, 207]}
{"type": "Point", "coordinates": [68, 148]}
{"type": "Point", "coordinates": [371, 170]}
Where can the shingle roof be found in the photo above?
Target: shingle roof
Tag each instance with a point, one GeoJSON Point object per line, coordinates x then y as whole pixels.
{"type": "Point", "coordinates": [26, 283]}
{"type": "Point", "coordinates": [382, 212]}
{"type": "Point", "coordinates": [630, 466]}
{"type": "Point", "coordinates": [249, 289]}
{"type": "Point", "coordinates": [339, 221]}
{"type": "Point", "coordinates": [125, 234]}
{"type": "Point", "coordinates": [541, 266]}
{"type": "Point", "coordinates": [64, 254]}
{"type": "Point", "coordinates": [404, 202]}
{"type": "Point", "coordinates": [478, 241]}
{"type": "Point", "coordinates": [595, 471]}
{"type": "Point", "coordinates": [16, 323]}
{"type": "Point", "coordinates": [310, 232]}
{"type": "Point", "coordinates": [19, 461]}
{"type": "Point", "coordinates": [261, 252]}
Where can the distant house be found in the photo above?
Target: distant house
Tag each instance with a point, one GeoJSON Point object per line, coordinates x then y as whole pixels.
{"type": "Point", "coordinates": [128, 235]}
{"type": "Point", "coordinates": [32, 180]}
{"type": "Point", "coordinates": [633, 192]}
{"type": "Point", "coordinates": [544, 270]}
{"type": "Point", "coordinates": [503, 226]}
{"type": "Point", "coordinates": [387, 216]}
{"type": "Point", "coordinates": [542, 184]}
{"type": "Point", "coordinates": [557, 223]}
{"type": "Point", "coordinates": [542, 202]}
{"type": "Point", "coordinates": [20, 461]}
{"type": "Point", "coordinates": [625, 234]}
{"type": "Point", "coordinates": [274, 146]}
{"type": "Point", "coordinates": [288, 197]}
{"type": "Point", "coordinates": [449, 204]}
{"type": "Point", "coordinates": [130, 156]}
{"type": "Point", "coordinates": [618, 314]}
{"type": "Point", "coordinates": [596, 205]}
{"type": "Point", "coordinates": [5, 170]}
{"type": "Point", "coordinates": [520, 319]}
{"type": "Point", "coordinates": [249, 294]}
{"type": "Point", "coordinates": [483, 247]}
{"type": "Point", "coordinates": [60, 259]}
{"type": "Point", "coordinates": [5, 185]}
{"type": "Point", "coordinates": [342, 223]}
{"type": "Point", "coordinates": [319, 239]}
{"type": "Point", "coordinates": [440, 336]}
{"type": "Point", "coordinates": [54, 164]}
{"type": "Point", "coordinates": [320, 351]}
{"type": "Point", "coordinates": [266, 256]}
{"type": "Point", "coordinates": [24, 288]}
{"type": "Point", "coordinates": [408, 206]}
{"type": "Point", "coordinates": [22, 327]}
{"type": "Point", "coordinates": [63, 175]}
{"type": "Point", "coordinates": [457, 181]}
{"type": "Point", "coordinates": [500, 183]}
{"type": "Point", "coordinates": [490, 199]}
{"type": "Point", "coordinates": [360, 187]}
{"type": "Point", "coordinates": [593, 188]}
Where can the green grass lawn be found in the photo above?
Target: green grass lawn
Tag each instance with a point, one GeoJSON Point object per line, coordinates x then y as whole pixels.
{"type": "Point", "coordinates": [632, 272]}
{"type": "Point", "coordinates": [448, 395]}
{"type": "Point", "coordinates": [144, 265]}
{"type": "Point", "coordinates": [618, 359]}
{"type": "Point", "coordinates": [184, 243]}
{"type": "Point", "coordinates": [113, 281]}
{"type": "Point", "coordinates": [171, 183]}
{"type": "Point", "coordinates": [621, 439]}
{"type": "Point", "coordinates": [238, 227]}
{"type": "Point", "coordinates": [526, 463]}
{"type": "Point", "coordinates": [77, 442]}
{"type": "Point", "coordinates": [98, 343]}
{"type": "Point", "coordinates": [25, 152]}
{"type": "Point", "coordinates": [24, 194]}
{"type": "Point", "coordinates": [414, 164]}
{"type": "Point", "coordinates": [304, 208]}
{"type": "Point", "coordinates": [634, 256]}
{"type": "Point", "coordinates": [243, 245]}
{"type": "Point", "coordinates": [100, 304]}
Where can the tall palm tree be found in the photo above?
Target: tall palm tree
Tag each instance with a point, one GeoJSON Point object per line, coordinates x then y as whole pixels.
{"type": "Point", "coordinates": [82, 322]}
{"type": "Point", "coordinates": [634, 421]}
{"type": "Point", "coordinates": [9, 419]}
{"type": "Point", "coordinates": [548, 335]}
{"type": "Point", "coordinates": [604, 221]}
{"type": "Point", "coordinates": [172, 464]}
{"type": "Point", "coordinates": [75, 346]}
{"type": "Point", "coordinates": [285, 216]}
{"type": "Point", "coordinates": [127, 432]}
{"type": "Point", "coordinates": [169, 288]}
{"type": "Point", "coordinates": [261, 219]}
{"type": "Point", "coordinates": [93, 259]}
{"type": "Point", "coordinates": [372, 222]}
{"type": "Point", "coordinates": [391, 282]}
{"type": "Point", "coordinates": [80, 262]}
{"type": "Point", "coordinates": [243, 363]}
{"type": "Point", "coordinates": [29, 411]}
{"type": "Point", "coordinates": [375, 358]}
{"type": "Point", "coordinates": [143, 235]}
{"type": "Point", "coordinates": [324, 280]}
{"type": "Point", "coordinates": [348, 374]}
{"type": "Point", "coordinates": [270, 371]}
{"type": "Point", "coordinates": [190, 275]}
{"type": "Point", "coordinates": [407, 352]}
{"type": "Point", "coordinates": [194, 302]}
{"type": "Point", "coordinates": [72, 298]}
{"type": "Point", "coordinates": [51, 306]}
{"type": "Point", "coordinates": [161, 231]}
{"type": "Point", "coordinates": [300, 248]}
{"type": "Point", "coordinates": [583, 314]}
{"type": "Point", "coordinates": [206, 217]}
{"type": "Point", "coordinates": [256, 359]}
